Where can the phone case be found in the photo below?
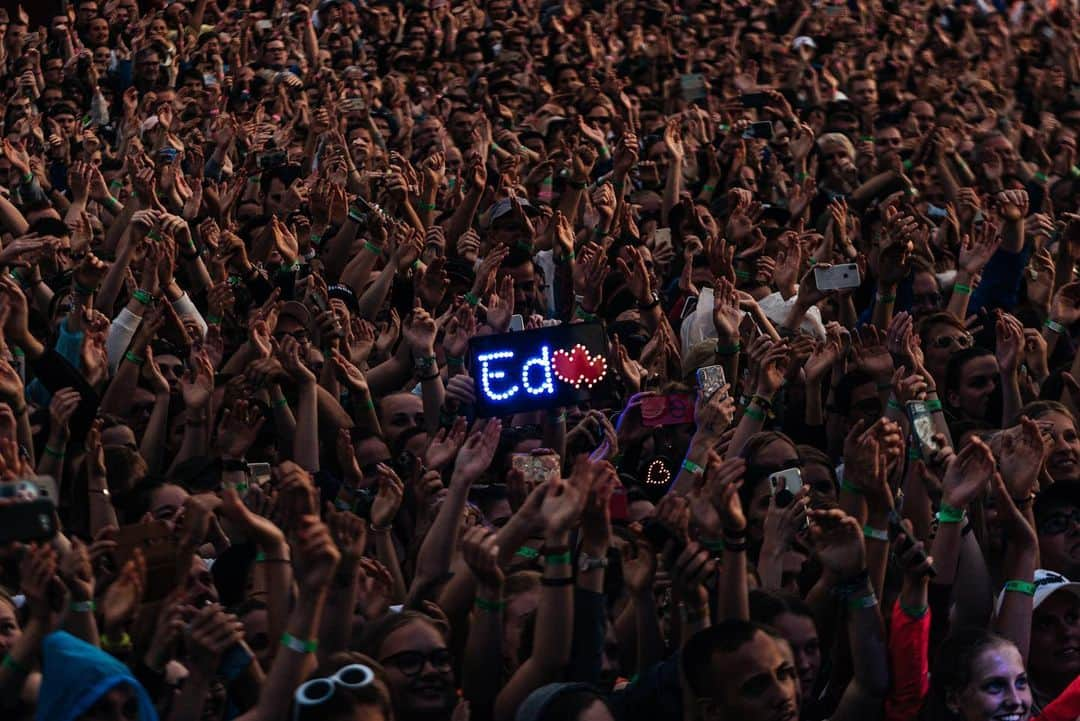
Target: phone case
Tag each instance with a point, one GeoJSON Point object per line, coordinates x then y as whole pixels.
{"type": "Point", "coordinates": [28, 521]}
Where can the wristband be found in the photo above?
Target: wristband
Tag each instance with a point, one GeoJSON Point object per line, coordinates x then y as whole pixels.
{"type": "Point", "coordinates": [82, 607]}
{"type": "Point", "coordinates": [1054, 326]}
{"type": "Point", "coordinates": [28, 177]}
{"type": "Point", "coordinates": [143, 296]}
{"type": "Point", "coordinates": [368, 404]}
{"type": "Point", "coordinates": [866, 138]}
{"type": "Point", "coordinates": [1041, 177]}
{"type": "Point", "coordinates": [528, 552]}
{"type": "Point", "coordinates": [372, 247]}
{"type": "Point", "coordinates": [894, 404]}
{"type": "Point", "coordinates": [708, 188]}
{"type": "Point", "coordinates": [378, 529]}
{"type": "Point", "coordinates": [294, 644]}
{"type": "Point", "coordinates": [800, 176]}
{"type": "Point", "coordinates": [728, 349]}
{"type": "Point", "coordinates": [754, 413]}
{"type": "Point", "coordinates": [214, 319]}
{"type": "Point", "coordinates": [428, 206]}
{"type": "Point", "coordinates": [933, 405]}
{"type": "Point", "coordinates": [1025, 587]}
{"type": "Point", "coordinates": [868, 601]}
{"type": "Point", "coordinates": [715, 546]}
{"type": "Point", "coordinates": [886, 298]}
{"type": "Point", "coordinates": [1074, 171]}
{"type": "Point", "coordinates": [471, 298]}
{"type": "Point", "coordinates": [691, 467]}
{"type": "Point", "coordinates": [123, 644]}
{"type": "Point", "coordinates": [846, 485]}
{"type": "Point", "coordinates": [132, 358]}
{"type": "Point", "coordinates": [914, 453]}
{"type": "Point", "coordinates": [116, 184]}
{"type": "Point", "coordinates": [948, 514]}
{"type": "Point", "coordinates": [50, 451]}
{"type": "Point", "coordinates": [584, 314]}
{"type": "Point", "coordinates": [576, 184]}
{"type": "Point", "coordinates": [761, 402]}
{"type": "Point", "coordinates": [484, 604]}
{"type": "Point", "coordinates": [564, 259]}
{"type": "Point", "coordinates": [742, 274]}
{"type": "Point", "coordinates": [875, 533]}
{"type": "Point", "coordinates": [733, 545]}
{"type": "Point", "coordinates": [280, 403]}
{"type": "Point", "coordinates": [914, 612]}
{"type": "Point", "coordinates": [10, 662]}
{"type": "Point", "coordinates": [961, 289]}
{"type": "Point", "coordinates": [557, 559]}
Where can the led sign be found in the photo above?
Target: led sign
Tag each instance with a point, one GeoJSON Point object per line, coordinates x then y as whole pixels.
{"type": "Point", "coordinates": [543, 368]}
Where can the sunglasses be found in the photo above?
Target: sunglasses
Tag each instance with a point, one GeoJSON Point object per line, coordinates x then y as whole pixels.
{"type": "Point", "coordinates": [411, 663]}
{"type": "Point", "coordinates": [961, 341]}
{"type": "Point", "coordinates": [318, 691]}
{"type": "Point", "coordinates": [1058, 523]}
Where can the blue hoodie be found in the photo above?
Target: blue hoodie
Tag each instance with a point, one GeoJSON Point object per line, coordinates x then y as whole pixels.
{"type": "Point", "coordinates": [75, 675]}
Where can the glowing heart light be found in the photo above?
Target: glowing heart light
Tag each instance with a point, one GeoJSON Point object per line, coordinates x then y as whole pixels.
{"type": "Point", "coordinates": [578, 367]}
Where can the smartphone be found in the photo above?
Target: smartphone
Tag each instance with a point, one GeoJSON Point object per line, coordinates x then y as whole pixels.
{"type": "Point", "coordinates": [42, 487]}
{"type": "Point", "coordinates": [754, 100]}
{"type": "Point", "coordinates": [761, 131]}
{"type": "Point", "coordinates": [692, 86]}
{"type": "Point", "coordinates": [785, 484]}
{"type": "Point", "coordinates": [619, 505]}
{"type": "Point", "coordinates": [209, 79]}
{"type": "Point", "coordinates": [259, 473]}
{"type": "Point", "coordinates": [837, 277]}
{"type": "Point", "coordinates": [537, 468]}
{"type": "Point", "coordinates": [354, 105]}
{"type": "Point", "coordinates": [895, 529]}
{"type": "Point", "coordinates": [662, 236]}
{"type": "Point", "coordinates": [263, 25]}
{"type": "Point", "coordinates": [167, 155]}
{"type": "Point", "coordinates": [670, 410]}
{"type": "Point", "coordinates": [27, 521]}
{"type": "Point", "coordinates": [710, 379]}
{"type": "Point", "coordinates": [922, 427]}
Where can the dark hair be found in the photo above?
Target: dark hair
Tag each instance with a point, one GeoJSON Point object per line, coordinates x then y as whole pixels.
{"type": "Point", "coordinates": [767, 606]}
{"type": "Point", "coordinates": [725, 637]}
{"type": "Point", "coordinates": [376, 632]}
{"type": "Point", "coordinates": [952, 668]}
{"type": "Point", "coordinates": [567, 706]}
{"type": "Point", "coordinates": [846, 388]}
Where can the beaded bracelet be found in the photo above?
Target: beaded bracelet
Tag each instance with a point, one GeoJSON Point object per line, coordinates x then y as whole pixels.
{"type": "Point", "coordinates": [1025, 587]}
{"type": "Point", "coordinates": [961, 289]}
{"type": "Point", "coordinates": [294, 644]}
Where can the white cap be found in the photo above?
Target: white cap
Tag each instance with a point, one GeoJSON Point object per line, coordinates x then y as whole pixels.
{"type": "Point", "coordinates": [803, 40]}
{"type": "Point", "coordinates": [1047, 583]}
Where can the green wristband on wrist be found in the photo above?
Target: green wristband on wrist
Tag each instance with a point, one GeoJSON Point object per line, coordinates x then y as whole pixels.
{"type": "Point", "coordinates": [754, 413]}
{"type": "Point", "coordinates": [214, 319]}
{"type": "Point", "coordinates": [1025, 587]}
{"type": "Point", "coordinates": [557, 559]}
{"type": "Point", "coordinates": [52, 452]}
{"type": "Point", "coordinates": [528, 552]}
{"type": "Point", "coordinates": [143, 296]}
{"type": "Point", "coordinates": [295, 644]}
{"type": "Point", "coordinates": [471, 298]}
{"type": "Point", "coordinates": [876, 534]}
{"type": "Point", "coordinates": [1054, 326]}
{"type": "Point", "coordinates": [961, 289]}
{"type": "Point", "coordinates": [690, 467]}
{"type": "Point", "coordinates": [948, 514]}
{"type": "Point", "coordinates": [728, 349]}
{"type": "Point", "coordinates": [132, 358]}
{"type": "Point", "coordinates": [368, 245]}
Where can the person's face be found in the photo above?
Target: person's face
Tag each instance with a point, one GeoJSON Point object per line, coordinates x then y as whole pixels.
{"type": "Point", "coordinates": [998, 687]}
{"type": "Point", "coordinates": [926, 297]}
{"type": "Point", "coordinates": [864, 92]}
{"type": "Point", "coordinates": [1063, 460]}
{"type": "Point", "coordinates": [888, 140]}
{"type": "Point", "coordinates": [819, 478]}
{"type": "Point", "coordinates": [801, 634]}
{"type": "Point", "coordinates": [257, 635]}
{"type": "Point", "coordinates": [275, 53]}
{"type": "Point", "coordinates": [148, 65]}
{"type": "Point", "coordinates": [9, 627]}
{"type": "Point", "coordinates": [418, 670]}
{"type": "Point", "coordinates": [1059, 540]}
{"type": "Point", "coordinates": [171, 368]}
{"type": "Point", "coordinates": [101, 58]}
{"type": "Point", "coordinates": [87, 12]}
{"type": "Point", "coordinates": [942, 341]}
{"type": "Point", "coordinates": [199, 588]}
{"type": "Point", "coordinates": [527, 297]}
{"type": "Point", "coordinates": [166, 502]}
{"type": "Point", "coordinates": [158, 28]}
{"type": "Point", "coordinates": [1055, 631]}
{"type": "Point", "coordinates": [756, 681]}
{"type": "Point", "coordinates": [473, 61]}
{"type": "Point", "coordinates": [274, 195]}
{"type": "Point", "coordinates": [865, 404]}
{"type": "Point", "coordinates": [288, 325]}
{"type": "Point", "coordinates": [978, 380]}
{"type": "Point", "coordinates": [119, 704]}
{"type": "Point", "coordinates": [400, 412]}
{"type": "Point", "coordinates": [19, 107]}
{"type": "Point", "coordinates": [66, 121]}
{"type": "Point", "coordinates": [98, 31]}
{"type": "Point", "coordinates": [922, 117]}
{"type": "Point", "coordinates": [370, 452]}
{"type": "Point", "coordinates": [568, 80]}
{"type": "Point", "coordinates": [53, 70]}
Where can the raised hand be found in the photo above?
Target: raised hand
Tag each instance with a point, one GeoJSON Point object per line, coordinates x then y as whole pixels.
{"type": "Point", "coordinates": [388, 498]}
{"type": "Point", "coordinates": [316, 555]}
{"type": "Point", "coordinates": [446, 443]}
{"type": "Point", "coordinates": [838, 541]}
{"type": "Point", "coordinates": [481, 554]}
{"type": "Point", "coordinates": [478, 451]}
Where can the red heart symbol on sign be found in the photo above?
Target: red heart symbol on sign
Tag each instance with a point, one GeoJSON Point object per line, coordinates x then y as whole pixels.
{"type": "Point", "coordinates": [578, 367]}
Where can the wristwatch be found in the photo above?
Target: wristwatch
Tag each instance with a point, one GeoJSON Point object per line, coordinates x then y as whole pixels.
{"type": "Point", "coordinates": [588, 563]}
{"type": "Point", "coordinates": [653, 302]}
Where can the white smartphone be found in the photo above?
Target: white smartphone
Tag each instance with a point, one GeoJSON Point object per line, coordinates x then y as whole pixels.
{"type": "Point", "coordinates": [837, 277]}
{"type": "Point", "coordinates": [517, 323]}
{"type": "Point", "coordinates": [789, 480]}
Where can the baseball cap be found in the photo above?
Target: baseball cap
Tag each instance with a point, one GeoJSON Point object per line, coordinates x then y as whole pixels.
{"type": "Point", "coordinates": [502, 207]}
{"type": "Point", "coordinates": [1047, 583]}
{"type": "Point", "coordinates": [297, 310]}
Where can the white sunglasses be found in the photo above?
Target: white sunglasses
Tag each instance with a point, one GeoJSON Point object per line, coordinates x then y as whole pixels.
{"type": "Point", "coordinates": [320, 690]}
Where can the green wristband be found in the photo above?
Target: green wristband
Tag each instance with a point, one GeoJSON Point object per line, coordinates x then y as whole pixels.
{"type": "Point", "coordinates": [846, 485]}
{"type": "Point", "coordinates": [584, 314]}
{"type": "Point", "coordinates": [368, 245]}
{"type": "Point", "coordinates": [428, 206]}
{"type": "Point", "coordinates": [708, 188]}
{"type": "Point", "coordinates": [754, 413]}
{"type": "Point", "coordinates": [690, 467]}
{"type": "Point", "coordinates": [82, 606]}
{"type": "Point", "coordinates": [1041, 177]}
{"type": "Point", "coordinates": [557, 559]}
{"type": "Point", "coordinates": [742, 274]}
{"type": "Point", "coordinates": [886, 298]}
{"type": "Point", "coordinates": [894, 405]}
{"type": "Point", "coordinates": [961, 289]}
{"type": "Point", "coordinates": [214, 319]}
{"type": "Point", "coordinates": [471, 298]}
{"type": "Point", "coordinates": [948, 514]}
{"type": "Point", "coordinates": [280, 403]}
{"type": "Point", "coordinates": [490, 606]}
{"type": "Point", "coordinates": [729, 349]}
{"type": "Point", "coordinates": [528, 552]}
{"type": "Point", "coordinates": [132, 358]}
{"type": "Point", "coordinates": [933, 405]}
{"type": "Point", "coordinates": [143, 296]}
{"type": "Point", "coordinates": [50, 451]}
{"type": "Point", "coordinates": [295, 644]}
{"type": "Point", "coordinates": [915, 612]}
{"type": "Point", "coordinates": [453, 360]}
{"type": "Point", "coordinates": [1025, 587]}
{"type": "Point", "coordinates": [876, 534]}
{"type": "Point", "coordinates": [1054, 326]}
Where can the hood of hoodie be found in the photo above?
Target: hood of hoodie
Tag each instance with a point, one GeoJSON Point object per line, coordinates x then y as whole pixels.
{"type": "Point", "coordinates": [75, 675]}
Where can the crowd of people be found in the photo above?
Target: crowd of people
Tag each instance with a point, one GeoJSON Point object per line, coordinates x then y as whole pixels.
{"type": "Point", "coordinates": [246, 246]}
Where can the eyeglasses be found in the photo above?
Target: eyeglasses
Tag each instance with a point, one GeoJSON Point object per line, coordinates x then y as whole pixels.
{"type": "Point", "coordinates": [961, 341]}
{"type": "Point", "coordinates": [318, 691]}
{"type": "Point", "coordinates": [1058, 523]}
{"type": "Point", "coordinates": [411, 663]}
